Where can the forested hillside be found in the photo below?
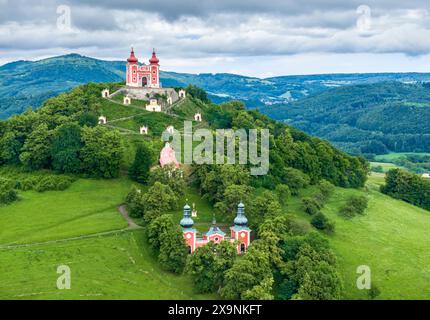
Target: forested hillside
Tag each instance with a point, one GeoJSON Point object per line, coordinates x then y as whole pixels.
{"type": "Point", "coordinates": [372, 119]}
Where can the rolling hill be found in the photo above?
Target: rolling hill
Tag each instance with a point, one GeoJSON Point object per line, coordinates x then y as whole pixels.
{"type": "Point", "coordinates": [366, 118]}
{"type": "Point", "coordinates": [29, 83]}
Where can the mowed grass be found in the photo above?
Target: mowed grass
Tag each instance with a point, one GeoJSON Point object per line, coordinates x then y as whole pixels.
{"type": "Point", "coordinates": [392, 238]}
{"type": "Point", "coordinates": [119, 266]}
{"type": "Point", "coordinates": [385, 165]}
{"type": "Point", "coordinates": [87, 206]}
{"type": "Point", "coordinates": [395, 155]}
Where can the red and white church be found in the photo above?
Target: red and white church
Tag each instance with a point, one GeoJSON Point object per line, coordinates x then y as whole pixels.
{"type": "Point", "coordinates": [239, 232]}
{"type": "Point", "coordinates": [143, 75]}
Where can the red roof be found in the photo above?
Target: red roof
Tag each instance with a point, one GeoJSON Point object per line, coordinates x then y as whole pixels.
{"type": "Point", "coordinates": [154, 59]}
{"type": "Point", "coordinates": [132, 58]}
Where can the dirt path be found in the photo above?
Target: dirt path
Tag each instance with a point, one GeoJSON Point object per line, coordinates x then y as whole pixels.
{"type": "Point", "coordinates": [122, 210]}
{"type": "Point", "coordinates": [131, 225]}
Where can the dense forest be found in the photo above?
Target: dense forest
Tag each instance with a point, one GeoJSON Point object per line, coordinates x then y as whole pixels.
{"type": "Point", "coordinates": [365, 119]}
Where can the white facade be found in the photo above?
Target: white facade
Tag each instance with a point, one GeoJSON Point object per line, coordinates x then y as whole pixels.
{"type": "Point", "coordinates": [198, 117]}
{"type": "Point", "coordinates": [170, 129]}
{"type": "Point", "coordinates": [144, 130]}
{"type": "Point", "coordinates": [127, 100]}
{"type": "Point", "coordinates": [105, 93]}
{"type": "Point", "coordinates": [182, 94]}
{"type": "Point", "coordinates": [102, 120]}
{"type": "Point", "coordinates": [426, 175]}
{"type": "Point", "coordinates": [153, 106]}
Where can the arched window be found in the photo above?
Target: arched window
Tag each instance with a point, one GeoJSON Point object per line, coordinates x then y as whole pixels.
{"type": "Point", "coordinates": [190, 249]}
{"type": "Point", "coordinates": [144, 81]}
{"type": "Point", "coordinates": [242, 248]}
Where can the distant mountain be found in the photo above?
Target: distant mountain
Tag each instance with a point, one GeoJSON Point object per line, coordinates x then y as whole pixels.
{"type": "Point", "coordinates": [28, 83]}
{"type": "Point", "coordinates": [367, 118]}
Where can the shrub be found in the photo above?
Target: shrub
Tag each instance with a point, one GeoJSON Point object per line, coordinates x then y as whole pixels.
{"type": "Point", "coordinates": [354, 205]}
{"type": "Point", "coordinates": [326, 188]}
{"type": "Point", "coordinates": [53, 183]}
{"type": "Point", "coordinates": [321, 222]}
{"type": "Point", "coordinates": [311, 205]}
{"type": "Point", "coordinates": [7, 195]}
{"type": "Point", "coordinates": [135, 203]}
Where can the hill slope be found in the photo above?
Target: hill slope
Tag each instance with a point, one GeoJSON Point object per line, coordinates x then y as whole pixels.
{"type": "Point", "coordinates": [377, 118]}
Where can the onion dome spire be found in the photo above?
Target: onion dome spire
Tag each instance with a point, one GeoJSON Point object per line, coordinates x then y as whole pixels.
{"type": "Point", "coordinates": [187, 221]}
{"type": "Point", "coordinates": [154, 59]}
{"type": "Point", "coordinates": [132, 58]}
{"type": "Point", "coordinates": [240, 219]}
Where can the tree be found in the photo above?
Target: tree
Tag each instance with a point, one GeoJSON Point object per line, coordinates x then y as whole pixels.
{"type": "Point", "coordinates": [246, 273]}
{"type": "Point", "coordinates": [10, 148]}
{"type": "Point", "coordinates": [295, 179]}
{"type": "Point", "coordinates": [66, 146]}
{"type": "Point", "coordinates": [173, 251]}
{"type": "Point", "coordinates": [207, 265]}
{"type": "Point", "coordinates": [168, 175]}
{"type": "Point", "coordinates": [321, 283]}
{"type": "Point", "coordinates": [36, 151]}
{"type": "Point", "coordinates": [135, 204]}
{"type": "Point", "coordinates": [102, 152]}
{"type": "Point", "coordinates": [283, 192]}
{"type": "Point", "coordinates": [233, 195]}
{"type": "Point", "coordinates": [262, 291]}
{"type": "Point", "coordinates": [158, 199]}
{"type": "Point", "coordinates": [139, 170]}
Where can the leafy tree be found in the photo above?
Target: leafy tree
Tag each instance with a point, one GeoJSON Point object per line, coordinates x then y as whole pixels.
{"type": "Point", "coordinates": [173, 251]}
{"type": "Point", "coordinates": [207, 265]}
{"type": "Point", "coordinates": [169, 176]}
{"type": "Point", "coordinates": [10, 148]}
{"type": "Point", "coordinates": [102, 152]}
{"type": "Point", "coordinates": [135, 204]}
{"type": "Point", "coordinates": [295, 179]}
{"type": "Point", "coordinates": [311, 205]}
{"type": "Point", "coordinates": [326, 188]}
{"type": "Point", "coordinates": [321, 283]}
{"type": "Point", "coordinates": [353, 206]}
{"type": "Point", "coordinates": [233, 194]}
{"type": "Point", "coordinates": [246, 273]}
{"type": "Point", "coordinates": [7, 194]}
{"type": "Point", "coordinates": [283, 192]}
{"type": "Point", "coordinates": [262, 291]}
{"type": "Point", "coordinates": [158, 199]}
{"type": "Point", "coordinates": [139, 170]}
{"type": "Point", "coordinates": [66, 146]}
{"type": "Point", "coordinates": [36, 150]}
{"type": "Point", "coordinates": [197, 92]}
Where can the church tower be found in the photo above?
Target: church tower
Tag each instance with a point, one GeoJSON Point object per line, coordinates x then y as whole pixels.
{"type": "Point", "coordinates": [240, 230]}
{"type": "Point", "coordinates": [189, 232]}
{"type": "Point", "coordinates": [132, 78]}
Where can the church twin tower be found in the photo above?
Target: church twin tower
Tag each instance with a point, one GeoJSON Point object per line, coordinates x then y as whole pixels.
{"type": "Point", "coordinates": [239, 232]}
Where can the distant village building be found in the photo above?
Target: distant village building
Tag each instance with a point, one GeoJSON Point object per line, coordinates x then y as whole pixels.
{"type": "Point", "coordinates": [426, 175]}
{"type": "Point", "coordinates": [105, 93]}
{"type": "Point", "coordinates": [153, 105]}
{"type": "Point", "coordinates": [182, 93]}
{"type": "Point", "coordinates": [168, 156]}
{"type": "Point", "coordinates": [238, 232]}
{"type": "Point", "coordinates": [144, 130]}
{"type": "Point", "coordinates": [102, 120]}
{"type": "Point", "coordinates": [142, 75]}
{"type": "Point", "coordinates": [127, 100]}
{"type": "Point", "coordinates": [198, 117]}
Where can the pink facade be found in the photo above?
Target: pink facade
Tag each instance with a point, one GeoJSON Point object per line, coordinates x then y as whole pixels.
{"type": "Point", "coordinates": [142, 75]}
{"type": "Point", "coordinates": [168, 156]}
{"type": "Point", "coordinates": [240, 234]}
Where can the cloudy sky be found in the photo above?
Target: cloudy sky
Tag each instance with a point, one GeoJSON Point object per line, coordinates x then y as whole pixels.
{"type": "Point", "coordinates": [250, 37]}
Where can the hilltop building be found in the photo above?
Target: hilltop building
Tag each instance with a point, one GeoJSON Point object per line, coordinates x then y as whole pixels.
{"type": "Point", "coordinates": [238, 232]}
{"type": "Point", "coordinates": [143, 83]}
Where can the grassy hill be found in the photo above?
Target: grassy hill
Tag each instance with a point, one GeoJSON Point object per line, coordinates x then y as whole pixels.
{"type": "Point", "coordinates": [369, 118]}
{"type": "Point", "coordinates": [391, 238]}
{"type": "Point", "coordinates": [81, 227]}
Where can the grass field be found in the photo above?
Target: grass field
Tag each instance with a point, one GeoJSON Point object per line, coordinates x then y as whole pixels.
{"type": "Point", "coordinates": [391, 238]}
{"type": "Point", "coordinates": [88, 206]}
{"type": "Point", "coordinates": [385, 165]}
{"type": "Point", "coordinates": [111, 267]}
